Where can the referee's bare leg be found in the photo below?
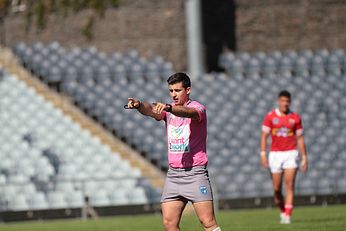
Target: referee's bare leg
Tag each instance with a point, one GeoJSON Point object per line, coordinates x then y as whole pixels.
{"type": "Point", "coordinates": [205, 213]}
{"type": "Point", "coordinates": [171, 214]}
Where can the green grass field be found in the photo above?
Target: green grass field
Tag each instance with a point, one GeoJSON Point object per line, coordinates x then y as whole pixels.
{"type": "Point", "coordinates": [332, 218]}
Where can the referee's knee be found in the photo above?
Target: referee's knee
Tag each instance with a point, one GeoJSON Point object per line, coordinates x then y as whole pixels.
{"type": "Point", "coordinates": [208, 223]}
{"type": "Point", "coordinates": [170, 224]}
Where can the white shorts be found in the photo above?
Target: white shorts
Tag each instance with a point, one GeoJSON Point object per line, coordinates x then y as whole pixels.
{"type": "Point", "coordinates": [283, 160]}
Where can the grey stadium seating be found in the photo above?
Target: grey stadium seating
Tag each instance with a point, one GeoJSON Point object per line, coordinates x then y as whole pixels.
{"type": "Point", "coordinates": [100, 84]}
{"type": "Point", "coordinates": [48, 161]}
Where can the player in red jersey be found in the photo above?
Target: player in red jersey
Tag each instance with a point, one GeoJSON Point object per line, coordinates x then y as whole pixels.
{"type": "Point", "coordinates": [286, 131]}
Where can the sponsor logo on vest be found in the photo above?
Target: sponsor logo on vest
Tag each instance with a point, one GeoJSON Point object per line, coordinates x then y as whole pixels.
{"type": "Point", "coordinates": [178, 140]}
{"type": "Point", "coordinates": [282, 132]}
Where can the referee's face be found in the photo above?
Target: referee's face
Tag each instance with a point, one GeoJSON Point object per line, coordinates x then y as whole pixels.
{"type": "Point", "coordinates": [178, 93]}
{"type": "Point", "coordinates": [284, 104]}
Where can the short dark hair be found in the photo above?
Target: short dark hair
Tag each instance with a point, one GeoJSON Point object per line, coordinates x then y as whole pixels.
{"type": "Point", "coordinates": [284, 93]}
{"type": "Point", "coordinates": [180, 77]}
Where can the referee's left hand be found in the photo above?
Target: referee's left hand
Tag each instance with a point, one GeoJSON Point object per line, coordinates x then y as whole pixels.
{"type": "Point", "coordinates": [159, 107]}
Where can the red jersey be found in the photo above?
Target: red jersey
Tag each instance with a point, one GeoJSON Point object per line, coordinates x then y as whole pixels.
{"type": "Point", "coordinates": [283, 130]}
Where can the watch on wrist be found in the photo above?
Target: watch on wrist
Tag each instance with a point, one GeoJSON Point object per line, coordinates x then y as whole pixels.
{"type": "Point", "coordinates": [169, 107]}
{"type": "Point", "coordinates": [139, 104]}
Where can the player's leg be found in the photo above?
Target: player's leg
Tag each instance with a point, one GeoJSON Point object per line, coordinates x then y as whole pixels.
{"type": "Point", "coordinates": [289, 178]}
{"type": "Point", "coordinates": [205, 214]}
{"type": "Point", "coordinates": [275, 166]}
{"type": "Point", "coordinates": [171, 214]}
{"type": "Point", "coordinates": [277, 187]}
{"type": "Point", "coordinates": [290, 168]}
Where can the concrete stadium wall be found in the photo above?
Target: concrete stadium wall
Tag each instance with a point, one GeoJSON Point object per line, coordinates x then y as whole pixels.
{"type": "Point", "coordinates": [290, 24]}
{"type": "Point", "coordinates": [158, 27]}
{"type": "Point", "coordinates": [151, 27]}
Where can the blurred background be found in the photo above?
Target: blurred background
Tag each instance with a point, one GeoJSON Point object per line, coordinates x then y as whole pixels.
{"type": "Point", "coordinates": [69, 150]}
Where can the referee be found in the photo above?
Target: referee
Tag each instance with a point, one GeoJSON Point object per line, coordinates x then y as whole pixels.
{"type": "Point", "coordinates": [187, 177]}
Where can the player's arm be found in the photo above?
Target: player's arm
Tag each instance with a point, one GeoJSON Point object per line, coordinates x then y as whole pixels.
{"type": "Point", "coordinates": [264, 160]}
{"type": "Point", "coordinates": [144, 108]}
{"type": "Point", "coordinates": [301, 145]}
{"type": "Point", "coordinates": [266, 128]}
{"type": "Point", "coordinates": [180, 111]}
{"type": "Point", "coordinates": [302, 150]}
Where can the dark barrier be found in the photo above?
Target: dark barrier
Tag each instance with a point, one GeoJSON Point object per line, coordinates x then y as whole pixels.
{"type": "Point", "coordinates": [12, 216]}
{"type": "Point", "coordinates": [267, 202]}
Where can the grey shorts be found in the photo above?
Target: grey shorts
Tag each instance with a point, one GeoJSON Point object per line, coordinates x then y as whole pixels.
{"type": "Point", "coordinates": [190, 184]}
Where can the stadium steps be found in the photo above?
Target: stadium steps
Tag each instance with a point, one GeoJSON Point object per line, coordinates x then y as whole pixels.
{"type": "Point", "coordinates": [9, 61]}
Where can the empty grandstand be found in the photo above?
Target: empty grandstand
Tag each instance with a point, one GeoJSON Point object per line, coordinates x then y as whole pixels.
{"type": "Point", "coordinates": [49, 162]}
{"type": "Point", "coordinates": [100, 84]}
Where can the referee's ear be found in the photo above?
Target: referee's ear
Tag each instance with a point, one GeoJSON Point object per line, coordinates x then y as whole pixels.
{"type": "Point", "coordinates": [188, 90]}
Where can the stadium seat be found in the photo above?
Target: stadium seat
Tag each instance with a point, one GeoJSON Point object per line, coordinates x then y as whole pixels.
{"type": "Point", "coordinates": [75, 199]}
{"type": "Point", "coordinates": [138, 196]}
{"type": "Point", "coordinates": [19, 202]}
{"type": "Point", "coordinates": [99, 198]}
{"type": "Point", "coordinates": [28, 189]}
{"type": "Point", "coordinates": [3, 180]}
{"type": "Point", "coordinates": [341, 185]}
{"type": "Point", "coordinates": [118, 197]}
{"type": "Point", "coordinates": [65, 187]}
{"type": "Point", "coordinates": [38, 202]}
{"type": "Point", "coordinates": [56, 200]}
{"type": "Point", "coordinates": [285, 67]}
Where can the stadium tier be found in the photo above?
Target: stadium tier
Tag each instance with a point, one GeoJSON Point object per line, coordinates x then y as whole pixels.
{"type": "Point", "coordinates": [304, 63]}
{"type": "Point", "coordinates": [48, 161]}
{"type": "Point", "coordinates": [236, 104]}
{"type": "Point", "coordinates": [55, 64]}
